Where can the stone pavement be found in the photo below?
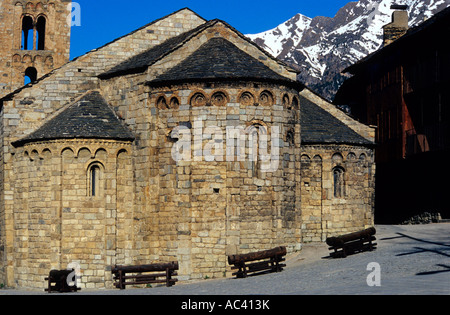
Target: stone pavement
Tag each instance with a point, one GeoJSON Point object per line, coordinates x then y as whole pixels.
{"type": "Point", "coordinates": [412, 260]}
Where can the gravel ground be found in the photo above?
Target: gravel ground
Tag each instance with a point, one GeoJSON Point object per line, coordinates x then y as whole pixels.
{"type": "Point", "coordinates": [413, 260]}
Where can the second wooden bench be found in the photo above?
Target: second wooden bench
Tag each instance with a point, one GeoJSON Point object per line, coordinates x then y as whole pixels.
{"type": "Point", "coordinates": [268, 260]}
{"type": "Point", "coordinates": [351, 243]}
{"type": "Point", "coordinates": [145, 274]}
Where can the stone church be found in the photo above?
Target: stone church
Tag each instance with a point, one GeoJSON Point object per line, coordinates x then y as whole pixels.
{"type": "Point", "coordinates": [144, 150]}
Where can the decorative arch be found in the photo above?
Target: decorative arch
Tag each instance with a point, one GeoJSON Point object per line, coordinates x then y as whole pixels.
{"type": "Point", "coordinates": [337, 158]}
{"type": "Point", "coordinates": [101, 153]}
{"type": "Point", "coordinates": [27, 59]}
{"type": "Point", "coordinates": [39, 6]}
{"type": "Point", "coordinates": [84, 153]}
{"type": "Point", "coordinates": [161, 102]}
{"type": "Point", "coordinates": [67, 149]}
{"type": "Point", "coordinates": [198, 99]}
{"type": "Point", "coordinates": [174, 103]}
{"type": "Point", "coordinates": [46, 153]}
{"type": "Point", "coordinates": [17, 58]}
{"type": "Point", "coordinates": [49, 61]}
{"type": "Point", "coordinates": [122, 152]}
{"type": "Point", "coordinates": [29, 6]}
{"type": "Point", "coordinates": [266, 98]}
{"type": "Point", "coordinates": [317, 158]}
{"type": "Point", "coordinates": [219, 98]}
{"type": "Point", "coordinates": [34, 156]}
{"type": "Point", "coordinates": [305, 158]}
{"type": "Point", "coordinates": [246, 98]}
{"type": "Point", "coordinates": [351, 157]}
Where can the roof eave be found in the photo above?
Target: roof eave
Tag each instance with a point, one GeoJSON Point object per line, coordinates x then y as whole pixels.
{"type": "Point", "coordinates": [286, 82]}
{"type": "Point", "coordinates": [349, 143]}
{"type": "Point", "coordinates": [22, 142]}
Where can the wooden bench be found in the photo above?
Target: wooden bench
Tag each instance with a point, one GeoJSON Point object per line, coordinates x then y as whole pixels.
{"type": "Point", "coordinates": [351, 243]}
{"type": "Point", "coordinates": [58, 282]}
{"type": "Point", "coordinates": [263, 261]}
{"type": "Point", "coordinates": [145, 274]}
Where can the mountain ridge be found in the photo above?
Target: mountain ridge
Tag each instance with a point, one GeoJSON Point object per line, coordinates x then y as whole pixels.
{"type": "Point", "coordinates": [321, 47]}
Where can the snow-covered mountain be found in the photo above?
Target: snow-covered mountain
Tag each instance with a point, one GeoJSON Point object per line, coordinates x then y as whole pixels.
{"type": "Point", "coordinates": [322, 47]}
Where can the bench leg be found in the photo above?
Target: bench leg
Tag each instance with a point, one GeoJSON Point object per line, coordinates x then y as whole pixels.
{"type": "Point", "coordinates": [344, 251]}
{"type": "Point", "coordinates": [121, 280]}
{"type": "Point", "coordinates": [168, 277]}
{"type": "Point", "coordinates": [242, 273]}
{"type": "Point", "coordinates": [275, 264]}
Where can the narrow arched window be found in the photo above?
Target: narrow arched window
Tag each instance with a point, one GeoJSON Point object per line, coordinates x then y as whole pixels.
{"type": "Point", "coordinates": [295, 103]}
{"type": "Point", "coordinates": [338, 182]}
{"type": "Point", "coordinates": [27, 33]}
{"type": "Point", "coordinates": [94, 180]}
{"type": "Point", "coordinates": [30, 75]}
{"type": "Point", "coordinates": [40, 33]}
{"type": "Point", "coordinates": [290, 137]}
{"type": "Point", "coordinates": [255, 132]}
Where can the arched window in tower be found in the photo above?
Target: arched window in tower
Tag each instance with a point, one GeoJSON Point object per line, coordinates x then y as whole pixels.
{"type": "Point", "coordinates": [30, 75]}
{"type": "Point", "coordinates": [338, 181]}
{"type": "Point", "coordinates": [27, 33]}
{"type": "Point", "coordinates": [40, 33]}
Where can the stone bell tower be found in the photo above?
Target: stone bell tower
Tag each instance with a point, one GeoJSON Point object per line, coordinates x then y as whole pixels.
{"type": "Point", "coordinates": [34, 40]}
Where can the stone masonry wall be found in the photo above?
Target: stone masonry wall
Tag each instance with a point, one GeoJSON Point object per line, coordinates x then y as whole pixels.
{"type": "Point", "coordinates": [324, 214]}
{"type": "Point", "coordinates": [59, 222]}
{"type": "Point", "coordinates": [198, 212]}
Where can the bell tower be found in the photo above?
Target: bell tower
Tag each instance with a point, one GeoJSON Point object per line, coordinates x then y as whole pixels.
{"type": "Point", "coordinates": [34, 40]}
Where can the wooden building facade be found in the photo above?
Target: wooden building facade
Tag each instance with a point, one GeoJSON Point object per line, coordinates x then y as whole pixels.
{"type": "Point", "coordinates": [403, 90]}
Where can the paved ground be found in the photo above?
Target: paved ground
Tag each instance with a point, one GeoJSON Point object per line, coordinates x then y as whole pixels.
{"type": "Point", "coordinates": [412, 260]}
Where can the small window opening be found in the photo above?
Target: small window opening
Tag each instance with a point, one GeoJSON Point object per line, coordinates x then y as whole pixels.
{"type": "Point", "coordinates": [255, 131]}
{"type": "Point", "coordinates": [295, 104]}
{"type": "Point", "coordinates": [290, 139]}
{"type": "Point", "coordinates": [94, 181]}
{"type": "Point", "coordinates": [30, 75]}
{"type": "Point", "coordinates": [27, 33]}
{"type": "Point", "coordinates": [338, 179]}
{"type": "Point", "coordinates": [40, 33]}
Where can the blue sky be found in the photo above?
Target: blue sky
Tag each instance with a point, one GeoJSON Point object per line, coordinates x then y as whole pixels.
{"type": "Point", "coordinates": [105, 20]}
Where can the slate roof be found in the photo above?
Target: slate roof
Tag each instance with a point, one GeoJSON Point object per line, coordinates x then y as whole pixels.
{"type": "Point", "coordinates": [142, 61]}
{"type": "Point", "coordinates": [320, 127]}
{"type": "Point", "coordinates": [90, 117]}
{"type": "Point", "coordinates": [219, 59]}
